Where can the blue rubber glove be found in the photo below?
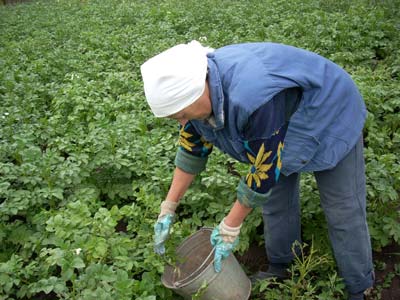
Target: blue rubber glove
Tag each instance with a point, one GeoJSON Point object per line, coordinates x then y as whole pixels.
{"type": "Point", "coordinates": [224, 239]}
{"type": "Point", "coordinates": [161, 232]}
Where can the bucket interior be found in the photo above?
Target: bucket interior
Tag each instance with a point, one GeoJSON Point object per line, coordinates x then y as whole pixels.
{"type": "Point", "coordinates": [193, 256]}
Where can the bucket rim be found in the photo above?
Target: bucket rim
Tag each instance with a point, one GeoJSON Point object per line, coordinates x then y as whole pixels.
{"type": "Point", "coordinates": [189, 279]}
{"type": "Point", "coordinates": [185, 281]}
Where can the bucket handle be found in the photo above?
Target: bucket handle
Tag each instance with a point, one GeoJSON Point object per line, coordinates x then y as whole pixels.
{"type": "Point", "coordinates": [180, 283]}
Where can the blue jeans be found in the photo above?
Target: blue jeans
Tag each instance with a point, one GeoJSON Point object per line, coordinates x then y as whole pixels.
{"type": "Point", "coordinates": [343, 200]}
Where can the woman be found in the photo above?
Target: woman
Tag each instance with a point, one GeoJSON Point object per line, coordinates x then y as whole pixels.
{"type": "Point", "coordinates": [284, 111]}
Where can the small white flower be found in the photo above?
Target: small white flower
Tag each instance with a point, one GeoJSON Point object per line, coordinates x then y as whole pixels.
{"type": "Point", "coordinates": [203, 39]}
{"type": "Point", "coordinates": [77, 251]}
{"type": "Point", "coordinates": [6, 113]}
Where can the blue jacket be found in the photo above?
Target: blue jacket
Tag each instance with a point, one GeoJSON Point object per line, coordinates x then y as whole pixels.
{"type": "Point", "coordinates": [323, 129]}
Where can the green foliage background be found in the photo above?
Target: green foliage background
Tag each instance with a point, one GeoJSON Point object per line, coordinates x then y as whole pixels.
{"type": "Point", "coordinates": [84, 165]}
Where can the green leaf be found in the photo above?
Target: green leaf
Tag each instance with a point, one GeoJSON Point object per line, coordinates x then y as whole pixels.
{"type": "Point", "coordinates": [77, 263]}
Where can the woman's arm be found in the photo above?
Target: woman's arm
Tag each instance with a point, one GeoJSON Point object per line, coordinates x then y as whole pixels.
{"type": "Point", "coordinates": [180, 183]}
{"type": "Point", "coordinates": [237, 214]}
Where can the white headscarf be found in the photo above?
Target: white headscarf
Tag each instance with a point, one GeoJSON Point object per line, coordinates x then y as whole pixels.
{"type": "Point", "coordinates": [175, 78]}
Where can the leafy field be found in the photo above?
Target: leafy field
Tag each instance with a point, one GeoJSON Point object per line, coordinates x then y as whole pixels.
{"type": "Point", "coordinates": [84, 165]}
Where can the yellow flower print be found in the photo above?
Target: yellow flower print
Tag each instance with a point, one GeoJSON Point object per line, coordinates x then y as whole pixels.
{"type": "Point", "coordinates": [259, 169]}
{"type": "Point", "coordinates": [183, 140]}
{"type": "Point", "coordinates": [206, 144]}
{"type": "Point", "coordinates": [279, 163]}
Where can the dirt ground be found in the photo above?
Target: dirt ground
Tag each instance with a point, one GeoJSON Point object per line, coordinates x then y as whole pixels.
{"type": "Point", "coordinates": [387, 284]}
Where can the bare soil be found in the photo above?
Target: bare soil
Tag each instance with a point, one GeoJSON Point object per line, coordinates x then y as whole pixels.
{"type": "Point", "coordinates": [387, 283]}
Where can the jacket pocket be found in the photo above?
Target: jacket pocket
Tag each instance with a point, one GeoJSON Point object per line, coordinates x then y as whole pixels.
{"type": "Point", "coordinates": [298, 151]}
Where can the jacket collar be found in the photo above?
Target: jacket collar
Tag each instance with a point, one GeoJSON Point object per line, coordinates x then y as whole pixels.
{"type": "Point", "coordinates": [216, 93]}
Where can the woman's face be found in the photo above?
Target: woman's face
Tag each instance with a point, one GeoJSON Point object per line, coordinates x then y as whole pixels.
{"type": "Point", "coordinates": [198, 110]}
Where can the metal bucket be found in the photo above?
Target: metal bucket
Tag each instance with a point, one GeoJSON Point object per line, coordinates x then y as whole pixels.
{"type": "Point", "coordinates": [194, 275]}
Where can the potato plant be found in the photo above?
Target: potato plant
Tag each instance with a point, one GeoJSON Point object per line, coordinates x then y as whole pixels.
{"type": "Point", "coordinates": [84, 165]}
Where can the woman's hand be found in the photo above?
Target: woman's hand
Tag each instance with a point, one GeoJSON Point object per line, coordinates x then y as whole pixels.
{"type": "Point", "coordinates": [163, 225]}
{"type": "Point", "coordinates": [224, 239]}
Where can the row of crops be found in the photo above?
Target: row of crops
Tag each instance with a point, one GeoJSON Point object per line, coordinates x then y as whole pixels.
{"type": "Point", "coordinates": [84, 165]}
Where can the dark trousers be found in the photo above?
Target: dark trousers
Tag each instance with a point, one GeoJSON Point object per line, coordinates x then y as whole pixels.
{"type": "Point", "coordinates": [343, 200]}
